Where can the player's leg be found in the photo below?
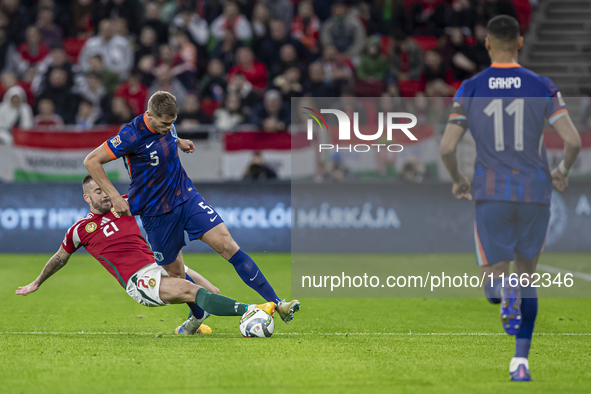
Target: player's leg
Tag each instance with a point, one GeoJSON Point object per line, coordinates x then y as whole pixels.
{"type": "Point", "coordinates": [199, 280]}
{"type": "Point", "coordinates": [167, 237]}
{"type": "Point", "coordinates": [533, 223]}
{"type": "Point", "coordinates": [177, 291]}
{"type": "Point", "coordinates": [203, 222]}
{"type": "Point", "coordinates": [195, 277]}
{"type": "Point", "coordinates": [495, 237]}
{"type": "Point", "coordinates": [195, 310]}
{"type": "Point", "coordinates": [220, 240]}
{"type": "Point", "coordinates": [493, 287]}
{"type": "Point", "coordinates": [519, 365]}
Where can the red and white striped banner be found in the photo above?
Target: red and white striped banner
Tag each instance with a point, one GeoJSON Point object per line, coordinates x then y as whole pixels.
{"type": "Point", "coordinates": [58, 154]}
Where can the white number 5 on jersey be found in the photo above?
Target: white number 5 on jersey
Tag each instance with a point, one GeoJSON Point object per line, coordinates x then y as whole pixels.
{"type": "Point", "coordinates": [206, 207]}
{"type": "Point", "coordinates": [154, 157]}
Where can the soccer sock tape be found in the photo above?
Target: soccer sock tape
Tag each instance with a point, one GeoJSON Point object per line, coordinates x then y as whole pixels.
{"type": "Point", "coordinates": [219, 305]}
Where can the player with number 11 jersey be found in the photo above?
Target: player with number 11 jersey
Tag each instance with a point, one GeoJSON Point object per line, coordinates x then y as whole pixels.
{"type": "Point", "coordinates": [504, 107]}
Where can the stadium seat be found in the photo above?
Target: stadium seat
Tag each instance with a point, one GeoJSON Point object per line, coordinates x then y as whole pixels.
{"type": "Point", "coordinates": [425, 42]}
{"type": "Point", "coordinates": [73, 47]}
{"type": "Point", "coordinates": [208, 106]}
{"type": "Point", "coordinates": [369, 89]}
{"type": "Point", "coordinates": [410, 88]}
{"type": "Point", "coordinates": [385, 44]}
{"type": "Point", "coordinates": [455, 84]}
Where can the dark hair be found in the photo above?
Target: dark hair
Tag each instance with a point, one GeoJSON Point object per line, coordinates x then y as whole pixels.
{"type": "Point", "coordinates": [504, 28]}
{"type": "Point", "coordinates": [135, 73]}
{"type": "Point", "coordinates": [163, 104]}
{"type": "Point", "coordinates": [86, 180]}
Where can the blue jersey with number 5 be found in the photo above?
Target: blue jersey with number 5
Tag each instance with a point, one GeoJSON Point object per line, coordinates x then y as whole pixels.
{"type": "Point", "coordinates": [159, 183]}
{"type": "Point", "coordinates": [505, 107]}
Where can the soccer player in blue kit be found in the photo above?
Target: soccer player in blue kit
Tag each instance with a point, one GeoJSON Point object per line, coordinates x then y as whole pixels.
{"type": "Point", "coordinates": [505, 106]}
{"type": "Point", "coordinates": [165, 198]}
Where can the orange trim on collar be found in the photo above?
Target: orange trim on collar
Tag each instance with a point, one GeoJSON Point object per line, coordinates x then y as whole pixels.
{"type": "Point", "coordinates": [147, 124]}
{"type": "Point", "coordinates": [504, 65]}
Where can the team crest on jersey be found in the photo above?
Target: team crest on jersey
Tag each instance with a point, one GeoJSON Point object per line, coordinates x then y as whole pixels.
{"type": "Point", "coordinates": [116, 141]}
{"type": "Point", "coordinates": [90, 227]}
{"type": "Point", "coordinates": [152, 282]}
{"type": "Point", "coordinates": [158, 256]}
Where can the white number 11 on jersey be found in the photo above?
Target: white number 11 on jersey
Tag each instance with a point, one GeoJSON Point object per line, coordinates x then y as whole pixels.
{"type": "Point", "coordinates": [516, 108]}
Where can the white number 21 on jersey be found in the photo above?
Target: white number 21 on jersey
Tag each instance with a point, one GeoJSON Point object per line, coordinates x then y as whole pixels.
{"type": "Point", "coordinates": [516, 108]}
{"type": "Point", "coordinates": [108, 232]}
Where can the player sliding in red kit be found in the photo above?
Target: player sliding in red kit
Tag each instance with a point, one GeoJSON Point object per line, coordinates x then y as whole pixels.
{"type": "Point", "coordinates": [116, 242]}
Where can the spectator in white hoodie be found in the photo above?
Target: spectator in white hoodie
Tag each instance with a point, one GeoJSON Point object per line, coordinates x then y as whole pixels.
{"type": "Point", "coordinates": [14, 111]}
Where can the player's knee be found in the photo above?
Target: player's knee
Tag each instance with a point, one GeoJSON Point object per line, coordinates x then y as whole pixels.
{"type": "Point", "coordinates": [189, 291]}
{"type": "Point", "coordinates": [227, 246]}
{"type": "Point", "coordinates": [173, 272]}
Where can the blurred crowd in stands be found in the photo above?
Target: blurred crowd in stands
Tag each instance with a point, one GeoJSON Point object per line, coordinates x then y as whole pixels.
{"type": "Point", "coordinates": [229, 63]}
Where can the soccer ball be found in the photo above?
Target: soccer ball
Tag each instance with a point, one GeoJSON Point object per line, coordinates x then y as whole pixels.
{"type": "Point", "coordinates": [257, 324]}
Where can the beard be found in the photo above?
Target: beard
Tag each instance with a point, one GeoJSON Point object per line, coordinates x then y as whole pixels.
{"type": "Point", "coordinates": [100, 207]}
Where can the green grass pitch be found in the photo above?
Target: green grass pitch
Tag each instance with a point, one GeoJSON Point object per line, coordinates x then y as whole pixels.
{"type": "Point", "coordinates": [81, 333]}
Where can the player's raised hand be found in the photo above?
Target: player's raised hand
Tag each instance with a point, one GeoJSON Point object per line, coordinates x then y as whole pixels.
{"type": "Point", "coordinates": [120, 207]}
{"type": "Point", "coordinates": [186, 146]}
{"type": "Point", "coordinates": [461, 189]}
{"type": "Point", "coordinates": [24, 290]}
{"type": "Point", "coordinates": [559, 180]}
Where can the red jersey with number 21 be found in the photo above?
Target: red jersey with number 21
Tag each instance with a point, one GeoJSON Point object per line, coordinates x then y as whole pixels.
{"type": "Point", "coordinates": [116, 243]}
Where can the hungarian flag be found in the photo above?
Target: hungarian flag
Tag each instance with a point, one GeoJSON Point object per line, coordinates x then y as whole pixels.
{"type": "Point", "coordinates": [58, 154]}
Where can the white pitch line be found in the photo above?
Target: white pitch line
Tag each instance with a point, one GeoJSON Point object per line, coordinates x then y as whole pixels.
{"type": "Point", "coordinates": [302, 333]}
{"type": "Point", "coordinates": [554, 270]}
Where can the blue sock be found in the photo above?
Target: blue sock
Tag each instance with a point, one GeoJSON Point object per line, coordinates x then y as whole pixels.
{"type": "Point", "coordinates": [250, 273]}
{"type": "Point", "coordinates": [529, 311]}
{"type": "Point", "coordinates": [195, 309]}
{"type": "Point", "coordinates": [492, 289]}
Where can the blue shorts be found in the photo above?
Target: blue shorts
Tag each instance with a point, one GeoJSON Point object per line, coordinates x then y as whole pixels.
{"type": "Point", "coordinates": [505, 228]}
{"type": "Point", "coordinates": [166, 233]}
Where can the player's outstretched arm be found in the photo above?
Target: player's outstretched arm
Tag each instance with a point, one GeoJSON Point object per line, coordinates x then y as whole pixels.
{"type": "Point", "coordinates": [572, 145]}
{"type": "Point", "coordinates": [449, 142]}
{"type": "Point", "coordinates": [55, 263]}
{"type": "Point", "coordinates": [94, 164]}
